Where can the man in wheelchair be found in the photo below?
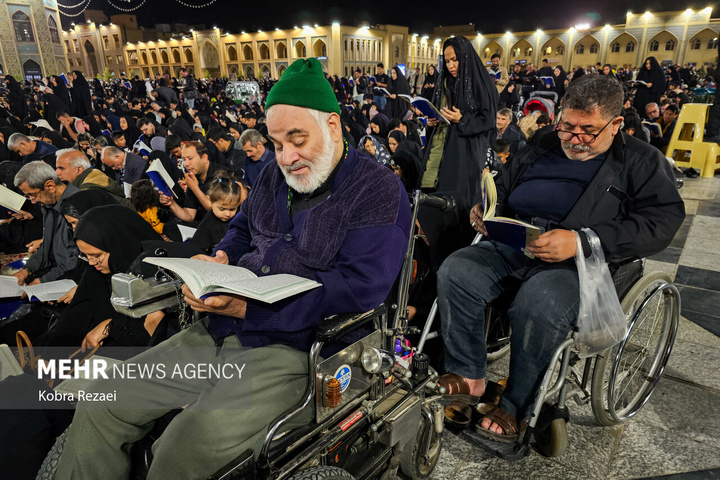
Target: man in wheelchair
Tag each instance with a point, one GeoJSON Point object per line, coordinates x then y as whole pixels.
{"type": "Point", "coordinates": [323, 212]}
{"type": "Point", "coordinates": [585, 174]}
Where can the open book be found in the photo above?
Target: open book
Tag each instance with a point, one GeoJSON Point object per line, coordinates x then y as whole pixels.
{"type": "Point", "coordinates": [495, 75]}
{"type": "Point", "coordinates": [425, 106]}
{"type": "Point", "coordinates": [639, 82]}
{"type": "Point", "coordinates": [160, 177]}
{"type": "Point", "coordinates": [44, 292]}
{"type": "Point", "coordinates": [511, 232]}
{"type": "Point", "coordinates": [186, 232]}
{"type": "Point", "coordinates": [204, 278]}
{"type": "Point", "coordinates": [11, 200]}
{"type": "Point", "coordinates": [382, 91]}
{"type": "Point", "coordinates": [548, 81]}
{"type": "Point", "coordinates": [654, 127]}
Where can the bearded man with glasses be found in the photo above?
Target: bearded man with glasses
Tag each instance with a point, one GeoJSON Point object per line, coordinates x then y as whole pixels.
{"type": "Point", "coordinates": [585, 174]}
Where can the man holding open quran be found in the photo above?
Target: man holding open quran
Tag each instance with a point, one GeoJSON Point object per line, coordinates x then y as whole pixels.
{"type": "Point", "coordinates": [323, 212]}
{"type": "Point", "coordinates": [586, 174]}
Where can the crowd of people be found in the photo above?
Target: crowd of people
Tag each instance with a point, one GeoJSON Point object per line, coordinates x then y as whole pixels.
{"type": "Point", "coordinates": [80, 153]}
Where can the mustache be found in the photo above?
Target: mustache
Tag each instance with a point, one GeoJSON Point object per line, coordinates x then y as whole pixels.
{"type": "Point", "coordinates": [297, 166]}
{"type": "Point", "coordinates": [578, 147]}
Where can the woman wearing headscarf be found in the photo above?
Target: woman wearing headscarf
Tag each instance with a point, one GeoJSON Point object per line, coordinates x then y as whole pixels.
{"type": "Point", "coordinates": [467, 98]}
{"type": "Point", "coordinates": [429, 84]}
{"type": "Point", "coordinates": [577, 73]}
{"type": "Point", "coordinates": [92, 125]}
{"type": "Point", "coordinates": [649, 92]}
{"type": "Point", "coordinates": [57, 84]}
{"type": "Point", "coordinates": [110, 238]}
{"type": "Point", "coordinates": [407, 167]}
{"type": "Point", "coordinates": [82, 97]}
{"type": "Point", "coordinates": [16, 97]}
{"type": "Point", "coordinates": [378, 128]}
{"type": "Point", "coordinates": [396, 106]}
{"type": "Point", "coordinates": [130, 129]}
{"type": "Point", "coordinates": [374, 148]}
{"type": "Point", "coordinates": [559, 76]}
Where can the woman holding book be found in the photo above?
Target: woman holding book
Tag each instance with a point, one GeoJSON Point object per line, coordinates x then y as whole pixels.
{"type": "Point", "coordinates": [650, 86]}
{"type": "Point", "coordinates": [467, 99]}
{"type": "Point", "coordinates": [396, 106]}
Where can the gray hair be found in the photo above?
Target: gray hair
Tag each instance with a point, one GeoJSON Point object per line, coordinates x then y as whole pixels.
{"type": "Point", "coordinates": [36, 174]}
{"type": "Point", "coordinates": [16, 139]}
{"type": "Point", "coordinates": [505, 112]}
{"type": "Point", "coordinates": [591, 92]}
{"type": "Point", "coordinates": [251, 135]}
{"type": "Point", "coordinates": [78, 159]}
{"type": "Point", "coordinates": [111, 151]}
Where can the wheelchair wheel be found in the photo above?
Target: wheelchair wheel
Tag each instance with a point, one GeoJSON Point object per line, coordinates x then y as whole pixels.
{"type": "Point", "coordinates": [322, 473]}
{"type": "Point", "coordinates": [50, 464]}
{"type": "Point", "coordinates": [497, 333]}
{"type": "Point", "coordinates": [414, 464]}
{"type": "Point", "coordinates": [626, 374]}
{"type": "Point", "coordinates": [553, 439]}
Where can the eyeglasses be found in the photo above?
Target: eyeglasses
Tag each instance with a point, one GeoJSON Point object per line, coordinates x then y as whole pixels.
{"type": "Point", "coordinates": [92, 260]}
{"type": "Point", "coordinates": [586, 138]}
{"type": "Point", "coordinates": [34, 196]}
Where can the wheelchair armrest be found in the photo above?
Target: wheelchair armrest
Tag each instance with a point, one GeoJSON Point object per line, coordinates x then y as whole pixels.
{"type": "Point", "coordinates": [336, 326]}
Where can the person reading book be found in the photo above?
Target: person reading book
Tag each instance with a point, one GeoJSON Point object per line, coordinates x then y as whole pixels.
{"type": "Point", "coordinates": [323, 212]}
{"type": "Point", "coordinates": [585, 174]}
{"type": "Point", "coordinates": [498, 73]}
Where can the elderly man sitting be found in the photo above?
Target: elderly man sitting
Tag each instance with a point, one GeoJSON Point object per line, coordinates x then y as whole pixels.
{"type": "Point", "coordinates": [324, 212]}
{"type": "Point", "coordinates": [72, 166]}
{"type": "Point", "coordinates": [585, 174]}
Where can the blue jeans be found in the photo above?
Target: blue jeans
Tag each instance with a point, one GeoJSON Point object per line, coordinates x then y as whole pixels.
{"type": "Point", "coordinates": [541, 315]}
{"type": "Point", "coordinates": [381, 100]}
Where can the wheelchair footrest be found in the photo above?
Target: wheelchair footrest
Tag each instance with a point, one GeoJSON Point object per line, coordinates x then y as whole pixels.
{"type": "Point", "coordinates": [506, 451]}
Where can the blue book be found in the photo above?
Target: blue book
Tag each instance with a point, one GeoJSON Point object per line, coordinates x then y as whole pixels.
{"type": "Point", "coordinates": [425, 106]}
{"type": "Point", "coordinates": [513, 233]}
{"type": "Point", "coordinates": [142, 147]}
{"type": "Point", "coordinates": [160, 178]}
{"type": "Point", "coordinates": [64, 79]}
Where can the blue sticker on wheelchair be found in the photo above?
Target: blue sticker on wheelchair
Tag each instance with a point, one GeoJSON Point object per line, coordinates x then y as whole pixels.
{"type": "Point", "coordinates": [343, 375]}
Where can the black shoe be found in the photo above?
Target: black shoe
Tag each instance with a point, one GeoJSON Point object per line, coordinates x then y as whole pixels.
{"type": "Point", "coordinates": [691, 173]}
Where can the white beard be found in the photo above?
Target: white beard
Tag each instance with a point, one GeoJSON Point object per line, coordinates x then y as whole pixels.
{"type": "Point", "coordinates": [320, 170]}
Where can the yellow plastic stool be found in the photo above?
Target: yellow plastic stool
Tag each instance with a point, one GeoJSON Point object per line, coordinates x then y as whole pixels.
{"type": "Point", "coordinates": [688, 134]}
{"type": "Point", "coordinates": [705, 157]}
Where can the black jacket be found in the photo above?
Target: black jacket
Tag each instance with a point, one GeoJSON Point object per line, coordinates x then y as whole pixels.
{"type": "Point", "coordinates": [632, 203]}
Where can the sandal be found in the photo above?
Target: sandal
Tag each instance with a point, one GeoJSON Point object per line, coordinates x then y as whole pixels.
{"type": "Point", "coordinates": [457, 389]}
{"type": "Point", "coordinates": [458, 415]}
{"type": "Point", "coordinates": [491, 397]}
{"type": "Point", "coordinates": [506, 421]}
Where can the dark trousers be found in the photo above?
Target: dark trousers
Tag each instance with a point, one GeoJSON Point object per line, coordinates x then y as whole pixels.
{"type": "Point", "coordinates": [541, 315]}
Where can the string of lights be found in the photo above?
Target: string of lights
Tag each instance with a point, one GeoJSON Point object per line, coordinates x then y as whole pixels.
{"type": "Point", "coordinates": [127, 10]}
{"type": "Point", "coordinates": [72, 6]}
{"type": "Point", "coordinates": [66, 14]}
{"type": "Point", "coordinates": [196, 6]}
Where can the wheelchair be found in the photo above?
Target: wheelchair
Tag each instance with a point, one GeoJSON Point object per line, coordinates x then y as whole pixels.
{"type": "Point", "coordinates": [617, 383]}
{"type": "Point", "coordinates": [374, 412]}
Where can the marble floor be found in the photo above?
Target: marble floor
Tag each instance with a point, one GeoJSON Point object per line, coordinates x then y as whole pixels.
{"type": "Point", "coordinates": [678, 431]}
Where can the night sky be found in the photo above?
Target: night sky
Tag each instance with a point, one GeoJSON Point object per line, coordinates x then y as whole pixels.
{"type": "Point", "coordinates": [491, 16]}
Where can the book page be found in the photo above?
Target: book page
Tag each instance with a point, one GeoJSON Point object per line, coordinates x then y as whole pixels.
{"type": "Point", "coordinates": [199, 275]}
{"type": "Point", "coordinates": [11, 200]}
{"type": "Point", "coordinates": [428, 109]}
{"type": "Point", "coordinates": [186, 232]}
{"type": "Point", "coordinates": [50, 291]}
{"type": "Point", "coordinates": [489, 194]}
{"type": "Point", "coordinates": [9, 287]}
{"type": "Point", "coordinates": [270, 288]}
{"type": "Point", "coordinates": [165, 184]}
{"type": "Point", "coordinates": [9, 365]}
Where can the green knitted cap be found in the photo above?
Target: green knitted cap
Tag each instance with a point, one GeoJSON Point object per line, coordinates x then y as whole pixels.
{"type": "Point", "coordinates": [304, 85]}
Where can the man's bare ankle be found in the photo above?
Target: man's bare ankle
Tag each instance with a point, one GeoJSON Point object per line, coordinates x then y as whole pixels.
{"type": "Point", "coordinates": [477, 387]}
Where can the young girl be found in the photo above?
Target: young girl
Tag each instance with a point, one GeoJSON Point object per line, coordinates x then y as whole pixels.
{"type": "Point", "coordinates": [226, 194]}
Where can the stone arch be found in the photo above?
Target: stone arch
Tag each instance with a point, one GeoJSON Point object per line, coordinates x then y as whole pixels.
{"type": "Point", "coordinates": [554, 50]}
{"type": "Point", "coordinates": [153, 55]}
{"type": "Point", "coordinates": [521, 52]}
{"type": "Point", "coordinates": [264, 51]}
{"type": "Point", "coordinates": [23, 27]}
{"type": "Point", "coordinates": [582, 51]}
{"type": "Point", "coordinates": [164, 56]}
{"type": "Point", "coordinates": [210, 58]}
{"type": "Point", "coordinates": [53, 27]}
{"type": "Point", "coordinates": [280, 71]}
{"type": "Point", "coordinates": [232, 53]}
{"type": "Point", "coordinates": [249, 72]}
{"type": "Point", "coordinates": [659, 42]}
{"type": "Point", "coordinates": [300, 50]}
{"type": "Point", "coordinates": [265, 71]}
{"type": "Point", "coordinates": [702, 47]}
{"type": "Point", "coordinates": [144, 57]}
{"type": "Point", "coordinates": [281, 50]}
{"type": "Point", "coordinates": [247, 52]}
{"type": "Point", "coordinates": [92, 58]}
{"type": "Point", "coordinates": [489, 50]}
{"type": "Point", "coordinates": [627, 47]}
{"type": "Point", "coordinates": [32, 71]}
{"type": "Point", "coordinates": [319, 48]}
{"type": "Point", "coordinates": [176, 55]}
{"type": "Point", "coordinates": [188, 55]}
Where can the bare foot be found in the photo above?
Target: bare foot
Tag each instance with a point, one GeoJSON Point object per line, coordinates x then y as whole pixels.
{"type": "Point", "coordinates": [488, 424]}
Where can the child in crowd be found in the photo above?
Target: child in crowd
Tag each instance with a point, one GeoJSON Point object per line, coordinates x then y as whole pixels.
{"type": "Point", "coordinates": [502, 150]}
{"type": "Point", "coordinates": [226, 194]}
{"type": "Point", "coordinates": [146, 201]}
